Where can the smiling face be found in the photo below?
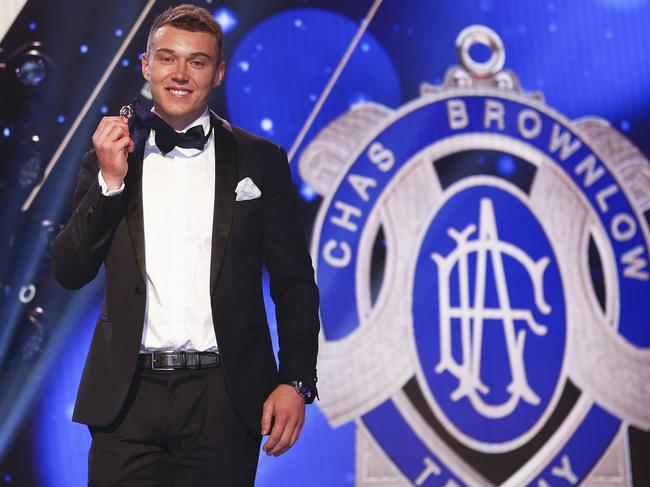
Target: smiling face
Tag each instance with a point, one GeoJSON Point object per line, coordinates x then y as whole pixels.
{"type": "Point", "coordinates": [182, 67]}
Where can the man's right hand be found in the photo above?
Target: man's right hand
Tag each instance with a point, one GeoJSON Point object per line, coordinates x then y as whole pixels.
{"type": "Point", "coordinates": [112, 144]}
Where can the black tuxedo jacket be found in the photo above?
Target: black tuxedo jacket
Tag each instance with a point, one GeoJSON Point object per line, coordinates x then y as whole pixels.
{"type": "Point", "coordinates": [245, 235]}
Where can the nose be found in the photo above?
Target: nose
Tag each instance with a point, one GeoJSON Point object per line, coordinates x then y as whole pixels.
{"type": "Point", "coordinates": [181, 74]}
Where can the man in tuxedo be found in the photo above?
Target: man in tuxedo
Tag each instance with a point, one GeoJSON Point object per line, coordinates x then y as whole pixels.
{"type": "Point", "coordinates": [183, 209]}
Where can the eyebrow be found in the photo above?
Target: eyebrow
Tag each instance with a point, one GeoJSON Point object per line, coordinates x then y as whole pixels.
{"type": "Point", "coordinates": [171, 51]}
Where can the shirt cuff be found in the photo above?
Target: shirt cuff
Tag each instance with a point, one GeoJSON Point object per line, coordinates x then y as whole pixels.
{"type": "Point", "coordinates": [104, 186]}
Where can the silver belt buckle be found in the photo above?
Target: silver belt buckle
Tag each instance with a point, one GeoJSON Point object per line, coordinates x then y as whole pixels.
{"type": "Point", "coordinates": [153, 363]}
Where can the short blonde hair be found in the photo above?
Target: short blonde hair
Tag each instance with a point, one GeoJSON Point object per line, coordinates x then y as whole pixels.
{"type": "Point", "coordinates": [190, 18]}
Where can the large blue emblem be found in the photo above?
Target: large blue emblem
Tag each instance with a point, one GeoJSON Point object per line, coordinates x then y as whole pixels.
{"type": "Point", "coordinates": [484, 273]}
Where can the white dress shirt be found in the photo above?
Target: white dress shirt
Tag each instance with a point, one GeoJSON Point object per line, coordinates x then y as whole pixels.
{"type": "Point", "coordinates": [178, 205]}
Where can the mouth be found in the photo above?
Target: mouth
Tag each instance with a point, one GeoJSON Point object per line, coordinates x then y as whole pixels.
{"type": "Point", "coordinates": [178, 92]}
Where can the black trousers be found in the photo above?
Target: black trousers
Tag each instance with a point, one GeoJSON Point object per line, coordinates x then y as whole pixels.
{"type": "Point", "coordinates": [177, 428]}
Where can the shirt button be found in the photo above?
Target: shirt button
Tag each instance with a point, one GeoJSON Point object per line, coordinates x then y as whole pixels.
{"type": "Point", "coordinates": [138, 289]}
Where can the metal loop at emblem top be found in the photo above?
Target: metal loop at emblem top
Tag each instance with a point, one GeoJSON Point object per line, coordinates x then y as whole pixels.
{"type": "Point", "coordinates": [480, 34]}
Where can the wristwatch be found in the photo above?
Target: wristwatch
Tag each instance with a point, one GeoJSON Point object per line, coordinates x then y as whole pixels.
{"type": "Point", "coordinates": [305, 391]}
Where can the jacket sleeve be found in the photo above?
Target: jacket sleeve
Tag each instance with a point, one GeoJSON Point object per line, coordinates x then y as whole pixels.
{"type": "Point", "coordinates": [293, 288]}
{"type": "Point", "coordinates": [79, 249]}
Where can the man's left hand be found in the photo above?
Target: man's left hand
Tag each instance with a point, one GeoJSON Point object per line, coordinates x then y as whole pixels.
{"type": "Point", "coordinates": [283, 415]}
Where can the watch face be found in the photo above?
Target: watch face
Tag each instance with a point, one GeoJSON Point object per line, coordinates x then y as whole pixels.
{"type": "Point", "coordinates": [306, 392]}
{"type": "Point", "coordinates": [303, 389]}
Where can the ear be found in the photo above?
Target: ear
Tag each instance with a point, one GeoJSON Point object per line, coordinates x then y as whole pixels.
{"type": "Point", "coordinates": [145, 67]}
{"type": "Point", "coordinates": [218, 77]}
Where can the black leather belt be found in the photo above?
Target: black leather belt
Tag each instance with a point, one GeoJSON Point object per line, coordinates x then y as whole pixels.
{"type": "Point", "coordinates": [180, 360]}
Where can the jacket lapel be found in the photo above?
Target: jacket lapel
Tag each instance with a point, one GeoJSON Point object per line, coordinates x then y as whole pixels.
{"type": "Point", "coordinates": [134, 214]}
{"type": "Point", "coordinates": [226, 170]}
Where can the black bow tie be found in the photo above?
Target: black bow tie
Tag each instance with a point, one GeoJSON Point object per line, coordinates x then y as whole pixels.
{"type": "Point", "coordinates": [142, 121]}
{"type": "Point", "coordinates": [167, 138]}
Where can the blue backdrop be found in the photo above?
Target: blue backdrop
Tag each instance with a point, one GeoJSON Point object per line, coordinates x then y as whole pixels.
{"type": "Point", "coordinates": [587, 57]}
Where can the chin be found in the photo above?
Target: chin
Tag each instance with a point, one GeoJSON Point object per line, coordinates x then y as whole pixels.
{"type": "Point", "coordinates": [177, 112]}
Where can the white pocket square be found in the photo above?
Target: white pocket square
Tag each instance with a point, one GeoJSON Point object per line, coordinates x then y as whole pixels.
{"type": "Point", "coordinates": [246, 190]}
